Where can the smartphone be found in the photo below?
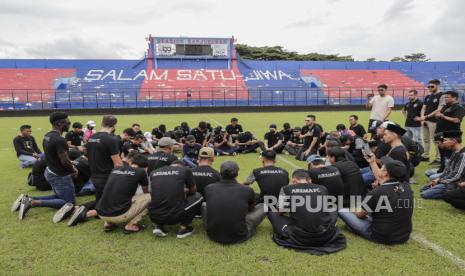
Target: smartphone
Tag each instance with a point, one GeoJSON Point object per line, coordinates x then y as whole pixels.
{"type": "Point", "coordinates": [366, 150]}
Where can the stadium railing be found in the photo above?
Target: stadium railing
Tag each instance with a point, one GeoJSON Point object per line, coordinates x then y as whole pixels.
{"type": "Point", "coordinates": [194, 97]}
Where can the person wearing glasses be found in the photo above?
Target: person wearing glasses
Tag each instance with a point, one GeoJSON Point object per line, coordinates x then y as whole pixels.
{"type": "Point", "coordinates": [381, 105]}
{"type": "Point", "coordinates": [432, 105]}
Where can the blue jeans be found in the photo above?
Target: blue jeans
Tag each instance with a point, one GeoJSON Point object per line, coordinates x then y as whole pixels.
{"type": "Point", "coordinates": [414, 133]}
{"type": "Point", "coordinates": [361, 227]}
{"type": "Point", "coordinates": [367, 176]}
{"type": "Point", "coordinates": [223, 150]}
{"type": "Point", "coordinates": [87, 189]}
{"type": "Point", "coordinates": [435, 192]}
{"type": "Point", "coordinates": [63, 187]}
{"type": "Point", "coordinates": [27, 160]}
{"type": "Point", "coordinates": [191, 162]}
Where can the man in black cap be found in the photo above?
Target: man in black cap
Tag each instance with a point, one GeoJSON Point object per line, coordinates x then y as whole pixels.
{"type": "Point", "coordinates": [230, 214]}
{"type": "Point", "coordinates": [163, 157]}
{"type": "Point", "coordinates": [234, 129]}
{"type": "Point", "coordinates": [325, 175]}
{"type": "Point", "coordinates": [453, 173]}
{"type": "Point", "coordinates": [246, 142]}
{"type": "Point", "coordinates": [309, 226]}
{"type": "Point", "coordinates": [190, 151]}
{"type": "Point", "coordinates": [390, 206]}
{"type": "Point", "coordinates": [174, 199]}
{"type": "Point", "coordinates": [75, 136]}
{"type": "Point", "coordinates": [273, 140]}
{"type": "Point", "coordinates": [350, 174]}
{"type": "Point", "coordinates": [270, 178]}
{"type": "Point", "coordinates": [59, 172]}
{"type": "Point", "coordinates": [204, 174]}
{"type": "Point", "coordinates": [295, 144]}
{"type": "Point", "coordinates": [26, 147]}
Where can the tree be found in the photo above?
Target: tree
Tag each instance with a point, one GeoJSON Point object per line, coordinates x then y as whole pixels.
{"type": "Point", "coordinates": [372, 59]}
{"type": "Point", "coordinates": [279, 53]}
{"type": "Point", "coordinates": [413, 57]}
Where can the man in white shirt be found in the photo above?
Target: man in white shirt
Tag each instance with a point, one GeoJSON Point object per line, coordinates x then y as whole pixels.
{"type": "Point", "coordinates": [381, 105]}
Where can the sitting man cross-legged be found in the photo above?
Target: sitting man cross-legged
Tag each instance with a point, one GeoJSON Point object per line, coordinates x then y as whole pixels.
{"type": "Point", "coordinates": [230, 214]}
{"type": "Point", "coordinates": [309, 227]}
{"type": "Point", "coordinates": [119, 202]}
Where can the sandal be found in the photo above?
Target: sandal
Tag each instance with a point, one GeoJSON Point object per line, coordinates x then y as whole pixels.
{"type": "Point", "coordinates": [140, 227]}
{"type": "Point", "coordinates": [110, 227]}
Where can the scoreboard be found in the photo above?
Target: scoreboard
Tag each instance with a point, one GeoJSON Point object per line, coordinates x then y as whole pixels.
{"type": "Point", "coordinates": [180, 47]}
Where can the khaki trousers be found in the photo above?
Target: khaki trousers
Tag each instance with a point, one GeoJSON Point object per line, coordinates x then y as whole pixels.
{"type": "Point", "coordinates": [134, 214]}
{"type": "Point", "coordinates": [428, 130]}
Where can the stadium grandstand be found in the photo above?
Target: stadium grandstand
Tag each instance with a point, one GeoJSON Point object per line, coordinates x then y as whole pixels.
{"type": "Point", "coordinates": [189, 71]}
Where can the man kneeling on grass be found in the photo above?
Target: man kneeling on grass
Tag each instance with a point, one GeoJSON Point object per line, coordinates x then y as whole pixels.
{"type": "Point", "coordinates": [230, 214]}
{"type": "Point", "coordinates": [390, 206]}
{"type": "Point", "coordinates": [119, 202]}
{"type": "Point", "coordinates": [311, 224]}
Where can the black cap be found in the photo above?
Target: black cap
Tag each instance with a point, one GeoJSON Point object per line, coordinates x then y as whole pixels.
{"type": "Point", "coordinates": [77, 125]}
{"type": "Point", "coordinates": [375, 125]}
{"type": "Point", "coordinates": [56, 116]}
{"type": "Point", "coordinates": [190, 138]}
{"type": "Point", "coordinates": [396, 129]}
{"type": "Point", "coordinates": [396, 169]}
{"type": "Point", "coordinates": [273, 126]}
{"type": "Point", "coordinates": [452, 134]}
{"type": "Point", "coordinates": [269, 154]}
{"type": "Point", "coordinates": [229, 169]}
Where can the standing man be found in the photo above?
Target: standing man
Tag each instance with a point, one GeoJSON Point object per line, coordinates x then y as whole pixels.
{"type": "Point", "coordinates": [26, 147]}
{"type": "Point", "coordinates": [357, 128]}
{"type": "Point", "coordinates": [230, 214]}
{"type": "Point", "coordinates": [104, 155]}
{"type": "Point", "coordinates": [75, 136]}
{"type": "Point", "coordinates": [234, 129]}
{"type": "Point", "coordinates": [59, 172]}
{"type": "Point", "coordinates": [204, 174]}
{"type": "Point", "coordinates": [449, 118]}
{"type": "Point", "coordinates": [412, 113]}
{"type": "Point", "coordinates": [311, 135]}
{"type": "Point", "coordinates": [431, 106]}
{"type": "Point", "coordinates": [381, 105]}
{"type": "Point", "coordinates": [174, 199]}
{"type": "Point", "coordinates": [270, 178]}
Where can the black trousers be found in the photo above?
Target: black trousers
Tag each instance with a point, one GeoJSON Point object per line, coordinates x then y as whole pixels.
{"type": "Point", "coordinates": [456, 198]}
{"type": "Point", "coordinates": [248, 148]}
{"type": "Point", "coordinates": [252, 219]}
{"type": "Point", "coordinates": [279, 223]}
{"type": "Point", "coordinates": [99, 184]}
{"type": "Point", "coordinates": [183, 216]}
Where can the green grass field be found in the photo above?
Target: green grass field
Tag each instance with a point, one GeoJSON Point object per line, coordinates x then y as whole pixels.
{"type": "Point", "coordinates": [36, 246]}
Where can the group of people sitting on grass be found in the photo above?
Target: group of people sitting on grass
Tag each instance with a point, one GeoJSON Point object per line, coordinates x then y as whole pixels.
{"type": "Point", "coordinates": [365, 182]}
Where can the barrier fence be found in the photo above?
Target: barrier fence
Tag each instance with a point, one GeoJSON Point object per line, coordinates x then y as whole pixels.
{"type": "Point", "coordinates": [194, 97]}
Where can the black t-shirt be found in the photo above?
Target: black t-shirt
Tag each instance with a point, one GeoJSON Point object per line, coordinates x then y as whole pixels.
{"type": "Point", "coordinates": [296, 140]}
{"type": "Point", "coordinates": [100, 147]}
{"type": "Point", "coordinates": [227, 205]}
{"type": "Point", "coordinates": [270, 180]}
{"type": "Point", "coordinates": [82, 165]}
{"type": "Point", "coordinates": [167, 190]}
{"type": "Point", "coordinates": [287, 134]}
{"type": "Point", "coordinates": [413, 110]}
{"type": "Point", "coordinates": [400, 153]}
{"type": "Point", "coordinates": [74, 138]}
{"type": "Point", "coordinates": [230, 129]}
{"type": "Point", "coordinates": [245, 137]}
{"type": "Point", "coordinates": [25, 145]}
{"type": "Point", "coordinates": [199, 135]}
{"type": "Point", "coordinates": [391, 227]}
{"type": "Point", "coordinates": [121, 186]}
{"type": "Point", "coordinates": [160, 159]}
{"type": "Point", "coordinates": [454, 111]}
{"type": "Point", "coordinates": [38, 178]}
{"type": "Point", "coordinates": [329, 177]}
{"type": "Point", "coordinates": [359, 130]}
{"type": "Point", "coordinates": [316, 133]}
{"type": "Point", "coordinates": [157, 133]}
{"type": "Point", "coordinates": [352, 179]}
{"type": "Point", "coordinates": [308, 227]}
{"type": "Point", "coordinates": [129, 146]}
{"type": "Point", "coordinates": [53, 145]}
{"type": "Point", "coordinates": [432, 103]}
{"type": "Point", "coordinates": [203, 176]}
{"type": "Point", "coordinates": [273, 138]}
